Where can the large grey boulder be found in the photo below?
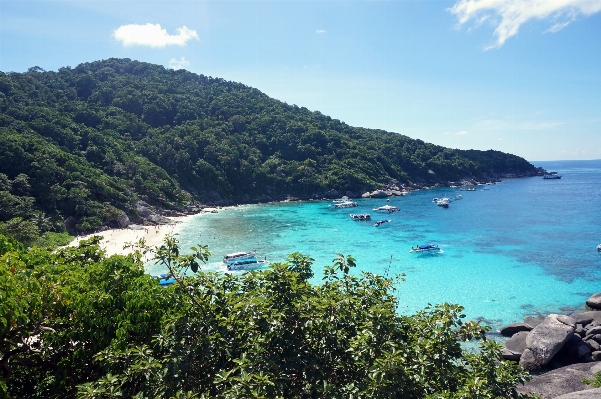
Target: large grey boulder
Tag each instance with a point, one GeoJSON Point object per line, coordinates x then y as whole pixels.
{"type": "Point", "coordinates": [561, 381]}
{"type": "Point", "coordinates": [594, 302]}
{"type": "Point", "coordinates": [545, 340]}
{"type": "Point", "coordinates": [515, 346]}
{"type": "Point", "coordinates": [123, 220]}
{"type": "Point", "coordinates": [586, 318]}
{"type": "Point", "coordinates": [510, 329]}
{"type": "Point", "coordinates": [532, 321]}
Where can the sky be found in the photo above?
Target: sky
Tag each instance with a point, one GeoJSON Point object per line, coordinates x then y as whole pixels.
{"type": "Point", "coordinates": [518, 76]}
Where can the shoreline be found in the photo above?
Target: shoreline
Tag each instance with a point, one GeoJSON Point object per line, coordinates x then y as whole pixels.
{"type": "Point", "coordinates": [113, 240]}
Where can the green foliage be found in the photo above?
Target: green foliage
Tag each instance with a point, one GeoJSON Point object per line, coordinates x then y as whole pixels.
{"type": "Point", "coordinates": [53, 240]}
{"type": "Point", "coordinates": [117, 131]}
{"type": "Point", "coordinates": [74, 323]}
{"type": "Point", "coordinates": [595, 382]}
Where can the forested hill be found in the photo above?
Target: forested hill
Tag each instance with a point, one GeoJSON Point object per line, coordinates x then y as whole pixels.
{"type": "Point", "coordinates": [90, 141]}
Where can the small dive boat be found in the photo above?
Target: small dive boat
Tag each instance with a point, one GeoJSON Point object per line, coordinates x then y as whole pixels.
{"type": "Point", "coordinates": [551, 176]}
{"type": "Point", "coordinates": [444, 202]}
{"type": "Point", "coordinates": [381, 222]}
{"type": "Point", "coordinates": [360, 216]}
{"type": "Point", "coordinates": [346, 204]}
{"type": "Point", "coordinates": [246, 264]}
{"type": "Point", "coordinates": [341, 200]}
{"type": "Point", "coordinates": [386, 209]}
{"type": "Point", "coordinates": [165, 279]}
{"type": "Point", "coordinates": [426, 248]}
{"type": "Point", "coordinates": [238, 256]}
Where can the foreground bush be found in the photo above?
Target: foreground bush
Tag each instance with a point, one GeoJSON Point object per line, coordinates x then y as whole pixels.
{"type": "Point", "coordinates": [76, 324]}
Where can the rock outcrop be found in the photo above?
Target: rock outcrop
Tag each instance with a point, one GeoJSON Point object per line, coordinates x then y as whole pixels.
{"type": "Point", "coordinates": [562, 381]}
{"type": "Point", "coordinates": [515, 346]}
{"type": "Point", "coordinates": [545, 340]}
{"type": "Point", "coordinates": [594, 302]}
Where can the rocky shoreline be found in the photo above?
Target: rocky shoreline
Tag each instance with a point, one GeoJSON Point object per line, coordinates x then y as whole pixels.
{"type": "Point", "coordinates": [148, 215]}
{"type": "Point", "coordinates": [560, 350]}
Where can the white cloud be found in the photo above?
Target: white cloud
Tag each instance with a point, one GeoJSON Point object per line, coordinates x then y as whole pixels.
{"type": "Point", "coordinates": [182, 63]}
{"type": "Point", "coordinates": [152, 35]}
{"type": "Point", "coordinates": [461, 133]}
{"type": "Point", "coordinates": [511, 14]}
{"type": "Point", "coordinates": [320, 31]}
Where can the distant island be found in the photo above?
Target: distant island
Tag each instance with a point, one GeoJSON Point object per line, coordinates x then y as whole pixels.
{"type": "Point", "coordinates": [88, 144]}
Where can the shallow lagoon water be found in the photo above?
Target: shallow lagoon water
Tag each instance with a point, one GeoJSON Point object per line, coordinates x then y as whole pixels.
{"type": "Point", "coordinates": [520, 247]}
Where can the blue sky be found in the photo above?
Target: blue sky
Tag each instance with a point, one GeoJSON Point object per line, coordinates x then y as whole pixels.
{"type": "Point", "coordinates": [520, 76]}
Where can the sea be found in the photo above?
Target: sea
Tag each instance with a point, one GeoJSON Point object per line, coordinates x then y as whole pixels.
{"type": "Point", "coordinates": [523, 246]}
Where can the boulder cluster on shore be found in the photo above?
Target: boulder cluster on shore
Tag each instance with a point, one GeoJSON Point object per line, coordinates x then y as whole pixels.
{"type": "Point", "coordinates": [565, 348]}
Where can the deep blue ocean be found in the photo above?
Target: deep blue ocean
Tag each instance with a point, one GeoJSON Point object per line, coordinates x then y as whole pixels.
{"type": "Point", "coordinates": [520, 247]}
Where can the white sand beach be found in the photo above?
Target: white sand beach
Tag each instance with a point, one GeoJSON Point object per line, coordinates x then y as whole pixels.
{"type": "Point", "coordinates": [114, 240]}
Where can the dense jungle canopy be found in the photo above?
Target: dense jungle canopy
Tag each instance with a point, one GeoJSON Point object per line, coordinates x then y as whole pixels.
{"type": "Point", "coordinates": [90, 141]}
{"type": "Point", "coordinates": [76, 324]}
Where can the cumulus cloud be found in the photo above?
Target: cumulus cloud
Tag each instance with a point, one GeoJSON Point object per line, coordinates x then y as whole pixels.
{"type": "Point", "coordinates": [320, 31]}
{"type": "Point", "coordinates": [179, 64]}
{"type": "Point", "coordinates": [509, 15]}
{"type": "Point", "coordinates": [152, 35]}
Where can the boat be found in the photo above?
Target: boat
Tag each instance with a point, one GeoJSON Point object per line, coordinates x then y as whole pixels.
{"type": "Point", "coordinates": [165, 279]}
{"type": "Point", "coordinates": [246, 264]}
{"type": "Point", "coordinates": [381, 222]}
{"type": "Point", "coordinates": [340, 200]}
{"type": "Point", "coordinates": [360, 216]}
{"type": "Point", "coordinates": [467, 188]}
{"type": "Point", "coordinates": [551, 176]}
{"type": "Point", "coordinates": [458, 197]}
{"type": "Point", "coordinates": [599, 248]}
{"type": "Point", "coordinates": [238, 256]}
{"type": "Point", "coordinates": [386, 208]}
{"type": "Point", "coordinates": [347, 204]}
{"type": "Point", "coordinates": [444, 202]}
{"type": "Point", "coordinates": [426, 248]}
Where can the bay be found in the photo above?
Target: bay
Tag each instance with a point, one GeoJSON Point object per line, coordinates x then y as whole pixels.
{"type": "Point", "coordinates": [524, 246]}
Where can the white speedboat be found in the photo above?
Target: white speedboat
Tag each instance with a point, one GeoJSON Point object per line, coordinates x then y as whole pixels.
{"type": "Point", "coordinates": [246, 264]}
{"type": "Point", "coordinates": [444, 202]}
{"type": "Point", "coordinates": [551, 176]}
{"type": "Point", "coordinates": [386, 209]}
{"type": "Point", "coordinates": [381, 222]}
{"type": "Point", "coordinates": [360, 216]}
{"type": "Point", "coordinates": [347, 204]}
{"type": "Point", "coordinates": [238, 256]}
{"type": "Point", "coordinates": [426, 248]}
{"type": "Point", "coordinates": [340, 200]}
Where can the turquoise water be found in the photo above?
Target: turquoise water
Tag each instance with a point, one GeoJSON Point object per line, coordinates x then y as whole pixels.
{"type": "Point", "coordinates": [519, 247]}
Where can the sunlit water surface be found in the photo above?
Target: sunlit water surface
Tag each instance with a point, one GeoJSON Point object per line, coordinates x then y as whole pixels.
{"type": "Point", "coordinates": [520, 247]}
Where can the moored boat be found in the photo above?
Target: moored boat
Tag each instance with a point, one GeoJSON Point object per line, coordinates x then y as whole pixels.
{"type": "Point", "coordinates": [444, 202]}
{"type": "Point", "coordinates": [165, 279]}
{"type": "Point", "coordinates": [386, 208]}
{"type": "Point", "coordinates": [599, 248]}
{"type": "Point", "coordinates": [426, 248]}
{"type": "Point", "coordinates": [346, 204]}
{"type": "Point", "coordinates": [238, 256]}
{"type": "Point", "coordinates": [551, 176]}
{"type": "Point", "coordinates": [360, 216]}
{"type": "Point", "coordinates": [246, 264]}
{"type": "Point", "coordinates": [381, 222]}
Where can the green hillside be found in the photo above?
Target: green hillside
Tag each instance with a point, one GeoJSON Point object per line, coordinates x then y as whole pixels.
{"type": "Point", "coordinates": [90, 141]}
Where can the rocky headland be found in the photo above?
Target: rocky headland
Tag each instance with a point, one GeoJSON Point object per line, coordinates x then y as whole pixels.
{"type": "Point", "coordinates": [559, 350]}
